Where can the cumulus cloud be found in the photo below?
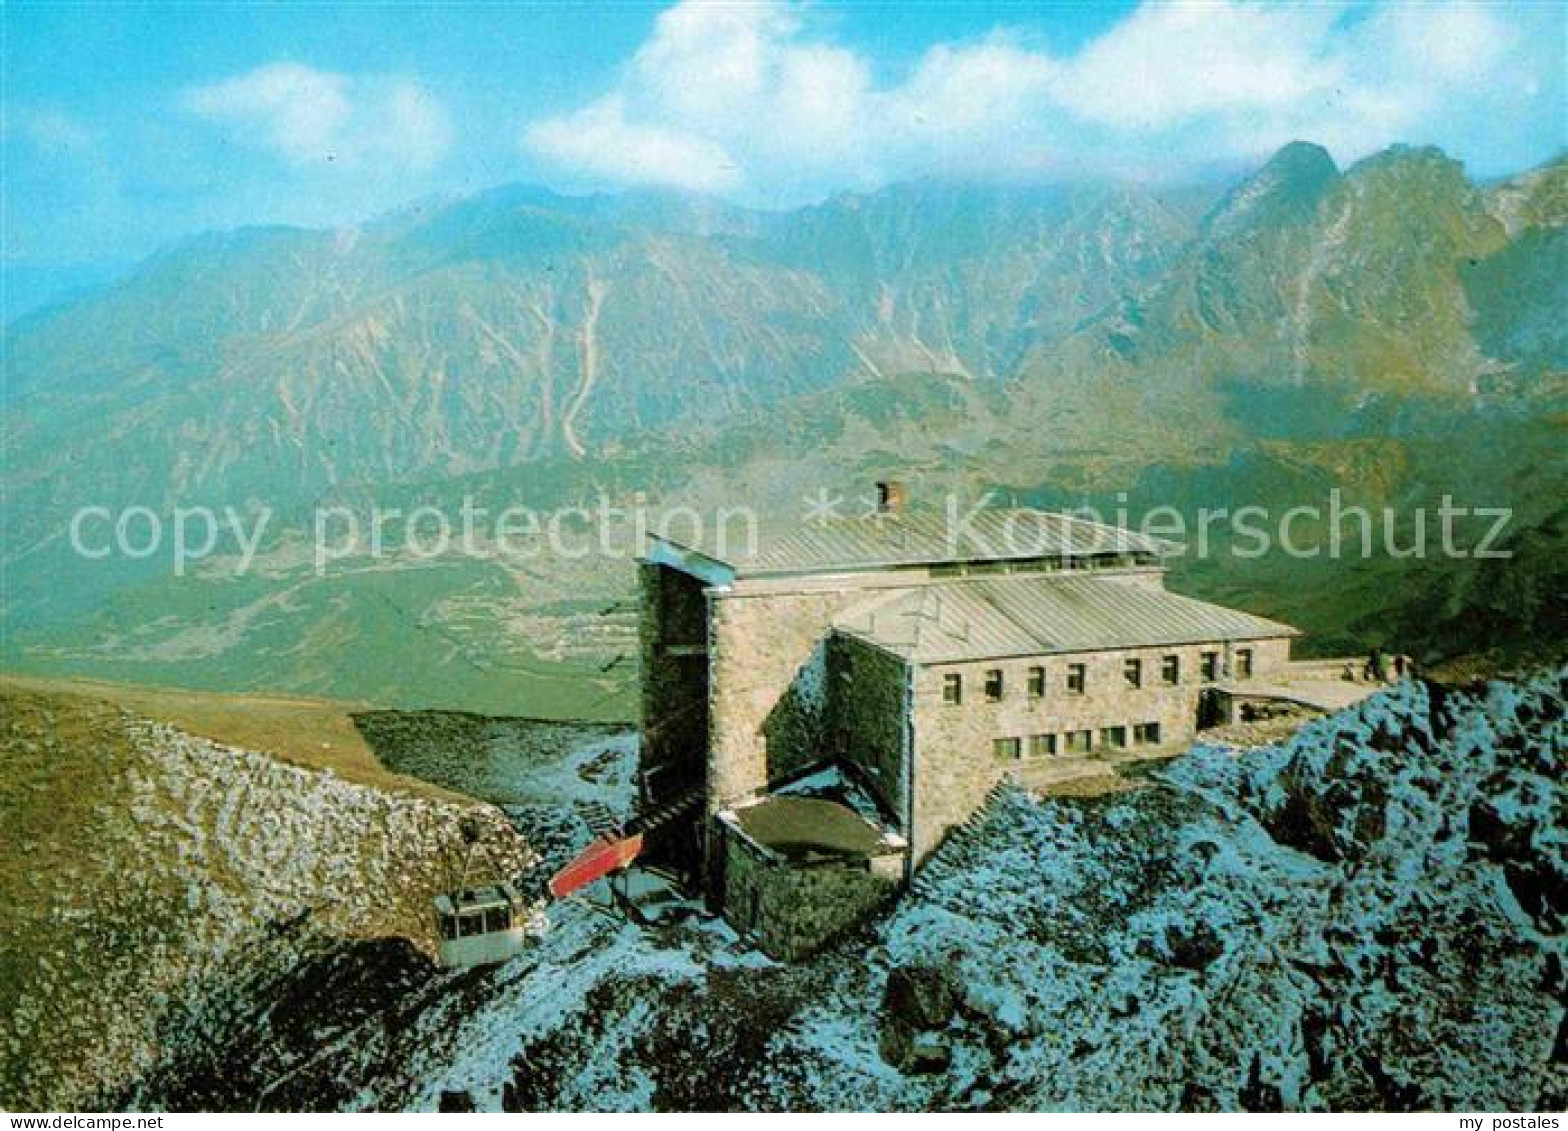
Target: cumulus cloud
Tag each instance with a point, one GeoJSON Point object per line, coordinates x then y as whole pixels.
{"type": "Point", "coordinates": [752, 101]}
{"type": "Point", "coordinates": [311, 118]}
{"type": "Point", "coordinates": [598, 141]}
{"type": "Point", "coordinates": [717, 93]}
{"type": "Point", "coordinates": [1174, 63]}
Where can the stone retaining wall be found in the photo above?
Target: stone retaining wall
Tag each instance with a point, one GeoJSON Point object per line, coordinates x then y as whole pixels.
{"type": "Point", "coordinates": [794, 910]}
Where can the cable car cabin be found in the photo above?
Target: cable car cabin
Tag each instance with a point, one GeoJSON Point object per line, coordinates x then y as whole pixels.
{"type": "Point", "coordinates": [481, 925]}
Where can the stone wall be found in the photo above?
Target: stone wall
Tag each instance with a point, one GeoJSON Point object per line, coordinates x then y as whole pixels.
{"type": "Point", "coordinates": [955, 763]}
{"type": "Point", "coordinates": [672, 636]}
{"type": "Point", "coordinates": [793, 911]}
{"type": "Point", "coordinates": [769, 686]}
{"type": "Point", "coordinates": [868, 715]}
{"type": "Point", "coordinates": [768, 673]}
{"type": "Point", "coordinates": [1271, 658]}
{"type": "Point", "coordinates": [772, 707]}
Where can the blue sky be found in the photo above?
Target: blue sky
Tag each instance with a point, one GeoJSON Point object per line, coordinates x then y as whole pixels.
{"type": "Point", "coordinates": [130, 126]}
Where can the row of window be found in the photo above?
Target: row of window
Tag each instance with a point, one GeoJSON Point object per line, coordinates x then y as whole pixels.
{"type": "Point", "coordinates": [1076, 741]}
{"type": "Point", "coordinates": [1074, 564]}
{"type": "Point", "coordinates": [1077, 678]}
{"type": "Point", "coordinates": [468, 923]}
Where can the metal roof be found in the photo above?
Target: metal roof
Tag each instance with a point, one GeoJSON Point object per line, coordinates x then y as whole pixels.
{"type": "Point", "coordinates": [911, 538]}
{"type": "Point", "coordinates": [973, 619]}
{"type": "Point", "coordinates": [482, 897]}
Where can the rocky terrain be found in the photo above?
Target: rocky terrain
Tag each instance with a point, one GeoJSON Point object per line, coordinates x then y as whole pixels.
{"type": "Point", "coordinates": [151, 876]}
{"type": "Point", "coordinates": [1369, 916]}
{"type": "Point", "coordinates": [555, 780]}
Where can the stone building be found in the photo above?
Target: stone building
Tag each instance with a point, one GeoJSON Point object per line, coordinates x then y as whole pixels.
{"type": "Point", "coordinates": [833, 699]}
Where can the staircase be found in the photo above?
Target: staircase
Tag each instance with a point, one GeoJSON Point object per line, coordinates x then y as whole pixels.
{"type": "Point", "coordinates": [652, 819]}
{"type": "Point", "coordinates": [958, 849]}
{"type": "Point", "coordinates": [597, 816]}
{"type": "Point", "coordinates": [604, 824]}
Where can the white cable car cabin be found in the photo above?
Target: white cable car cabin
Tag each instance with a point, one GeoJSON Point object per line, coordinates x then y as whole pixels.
{"type": "Point", "coordinates": [481, 925]}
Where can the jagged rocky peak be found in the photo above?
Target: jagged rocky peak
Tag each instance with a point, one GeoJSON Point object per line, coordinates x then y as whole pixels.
{"type": "Point", "coordinates": [1299, 161]}
{"type": "Point", "coordinates": [1418, 208]}
{"type": "Point", "coordinates": [1410, 160]}
{"type": "Point", "coordinates": [1407, 183]}
{"type": "Point", "coordinates": [1285, 190]}
{"type": "Point", "coordinates": [1415, 176]}
{"type": "Point", "coordinates": [1536, 199]}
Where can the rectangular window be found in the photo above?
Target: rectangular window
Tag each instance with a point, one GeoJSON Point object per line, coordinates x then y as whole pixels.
{"type": "Point", "coordinates": [1075, 678]}
{"type": "Point", "coordinates": [1042, 745]}
{"type": "Point", "coordinates": [952, 689]}
{"type": "Point", "coordinates": [1170, 670]}
{"type": "Point", "coordinates": [1037, 683]}
{"type": "Point", "coordinates": [1079, 741]}
{"type": "Point", "coordinates": [1146, 734]}
{"type": "Point", "coordinates": [1133, 670]}
{"type": "Point", "coordinates": [1210, 666]}
{"type": "Point", "coordinates": [1006, 747]}
{"type": "Point", "coordinates": [1243, 663]}
{"type": "Point", "coordinates": [1114, 737]}
{"type": "Point", "coordinates": [993, 685]}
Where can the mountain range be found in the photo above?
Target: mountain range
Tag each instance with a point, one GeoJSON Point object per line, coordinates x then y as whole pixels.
{"type": "Point", "coordinates": [1393, 328]}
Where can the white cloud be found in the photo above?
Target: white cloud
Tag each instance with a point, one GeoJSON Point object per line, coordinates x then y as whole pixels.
{"type": "Point", "coordinates": [1170, 63]}
{"type": "Point", "coordinates": [598, 142]}
{"type": "Point", "coordinates": [414, 125]}
{"type": "Point", "coordinates": [311, 118]}
{"type": "Point", "coordinates": [1457, 42]}
{"type": "Point", "coordinates": [749, 100]}
{"type": "Point", "coordinates": [717, 95]}
{"type": "Point", "coordinates": [704, 61]}
{"type": "Point", "coordinates": [983, 107]}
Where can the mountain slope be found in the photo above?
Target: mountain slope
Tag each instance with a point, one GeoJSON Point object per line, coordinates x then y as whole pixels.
{"type": "Point", "coordinates": [1310, 289]}
{"type": "Point", "coordinates": [145, 865]}
{"type": "Point", "coordinates": [1367, 918]}
{"type": "Point", "coordinates": [522, 325]}
{"type": "Point", "coordinates": [1054, 343]}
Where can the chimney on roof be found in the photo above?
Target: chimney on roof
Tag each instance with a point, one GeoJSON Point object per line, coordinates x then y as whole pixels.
{"type": "Point", "coordinates": [890, 496]}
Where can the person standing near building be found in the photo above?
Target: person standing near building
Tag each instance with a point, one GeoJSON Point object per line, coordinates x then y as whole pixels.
{"type": "Point", "coordinates": [1377, 665]}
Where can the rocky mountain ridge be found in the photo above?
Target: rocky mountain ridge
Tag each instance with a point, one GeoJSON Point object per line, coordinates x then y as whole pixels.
{"type": "Point", "coordinates": [1390, 330]}
{"type": "Point", "coordinates": [517, 325]}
